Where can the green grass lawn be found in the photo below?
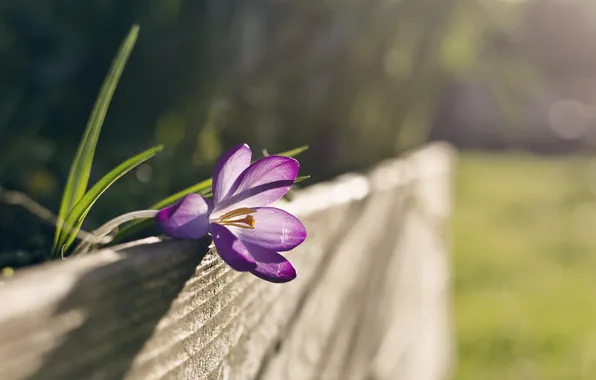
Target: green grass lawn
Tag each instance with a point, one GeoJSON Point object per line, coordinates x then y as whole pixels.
{"type": "Point", "coordinates": [525, 267]}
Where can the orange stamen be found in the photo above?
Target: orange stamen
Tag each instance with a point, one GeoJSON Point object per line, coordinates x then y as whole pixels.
{"type": "Point", "coordinates": [247, 222]}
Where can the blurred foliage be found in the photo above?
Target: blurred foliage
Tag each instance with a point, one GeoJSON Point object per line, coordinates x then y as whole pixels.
{"type": "Point", "coordinates": [357, 80]}
{"type": "Point", "coordinates": [524, 267]}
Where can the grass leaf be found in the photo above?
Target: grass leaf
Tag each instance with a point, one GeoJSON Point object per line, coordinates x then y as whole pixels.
{"type": "Point", "coordinates": [202, 188]}
{"type": "Point", "coordinates": [78, 176]}
{"type": "Point", "coordinates": [293, 152]}
{"type": "Point", "coordinates": [302, 178]}
{"type": "Point", "coordinates": [80, 210]}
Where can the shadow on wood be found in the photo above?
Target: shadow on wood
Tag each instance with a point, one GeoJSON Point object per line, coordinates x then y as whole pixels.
{"type": "Point", "coordinates": [102, 319]}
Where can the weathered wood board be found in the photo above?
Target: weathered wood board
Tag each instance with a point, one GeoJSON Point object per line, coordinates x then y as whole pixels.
{"type": "Point", "coordinates": [371, 300]}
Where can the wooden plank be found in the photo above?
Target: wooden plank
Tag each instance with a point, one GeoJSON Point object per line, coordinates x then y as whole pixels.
{"type": "Point", "coordinates": [247, 301]}
{"type": "Point", "coordinates": [168, 310]}
{"type": "Point", "coordinates": [87, 318]}
{"type": "Point", "coordinates": [323, 320]}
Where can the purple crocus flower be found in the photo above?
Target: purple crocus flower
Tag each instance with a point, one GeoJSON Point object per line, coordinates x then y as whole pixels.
{"type": "Point", "coordinates": [247, 234]}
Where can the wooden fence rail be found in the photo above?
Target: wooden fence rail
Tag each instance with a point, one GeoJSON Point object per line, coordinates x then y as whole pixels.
{"type": "Point", "coordinates": [371, 300]}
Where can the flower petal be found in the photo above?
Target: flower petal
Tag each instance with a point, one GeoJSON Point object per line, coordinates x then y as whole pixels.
{"type": "Point", "coordinates": [264, 182]}
{"type": "Point", "coordinates": [271, 266]}
{"type": "Point", "coordinates": [186, 219]}
{"type": "Point", "coordinates": [273, 229]}
{"type": "Point", "coordinates": [228, 168]}
{"type": "Point", "coordinates": [231, 249]}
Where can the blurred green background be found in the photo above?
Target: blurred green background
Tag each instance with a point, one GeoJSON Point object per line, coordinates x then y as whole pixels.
{"type": "Point", "coordinates": [512, 83]}
{"type": "Point", "coordinates": [525, 268]}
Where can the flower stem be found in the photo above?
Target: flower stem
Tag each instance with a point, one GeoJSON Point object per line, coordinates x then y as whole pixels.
{"type": "Point", "coordinates": [98, 235]}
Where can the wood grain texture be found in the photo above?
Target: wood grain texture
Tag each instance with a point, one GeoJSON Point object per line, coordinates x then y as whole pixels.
{"type": "Point", "coordinates": [371, 300]}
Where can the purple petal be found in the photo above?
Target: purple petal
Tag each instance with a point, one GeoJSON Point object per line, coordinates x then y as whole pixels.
{"type": "Point", "coordinates": [231, 249]}
{"type": "Point", "coordinates": [186, 219]}
{"type": "Point", "coordinates": [274, 229]}
{"type": "Point", "coordinates": [271, 266]}
{"type": "Point", "coordinates": [264, 182]}
{"type": "Point", "coordinates": [228, 168]}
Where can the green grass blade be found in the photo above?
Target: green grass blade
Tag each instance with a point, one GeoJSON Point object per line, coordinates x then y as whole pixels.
{"type": "Point", "coordinates": [302, 178]}
{"type": "Point", "coordinates": [78, 176]}
{"type": "Point", "coordinates": [293, 152]}
{"type": "Point", "coordinates": [130, 229]}
{"type": "Point", "coordinates": [78, 213]}
{"type": "Point", "coordinates": [202, 188]}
